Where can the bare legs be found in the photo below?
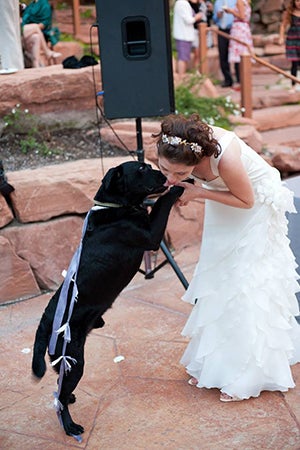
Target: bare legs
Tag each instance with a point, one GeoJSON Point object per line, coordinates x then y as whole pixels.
{"type": "Point", "coordinates": [181, 68]}
{"type": "Point", "coordinates": [35, 44]}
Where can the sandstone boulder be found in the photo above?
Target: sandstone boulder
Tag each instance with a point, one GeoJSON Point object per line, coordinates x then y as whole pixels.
{"type": "Point", "coordinates": [37, 253]}
{"type": "Point", "coordinates": [249, 134]}
{"type": "Point", "coordinates": [185, 224]}
{"type": "Point", "coordinates": [6, 215]}
{"type": "Point", "coordinates": [50, 88]}
{"type": "Point", "coordinates": [47, 248]}
{"type": "Point", "coordinates": [67, 49]}
{"type": "Point", "coordinates": [126, 130]}
{"type": "Point", "coordinates": [287, 160]}
{"type": "Point", "coordinates": [277, 117]}
{"type": "Point", "coordinates": [16, 277]}
{"type": "Point", "coordinates": [55, 190]}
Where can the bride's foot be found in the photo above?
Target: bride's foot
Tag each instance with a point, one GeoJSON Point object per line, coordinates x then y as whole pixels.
{"type": "Point", "coordinates": [229, 398]}
{"type": "Point", "coordinates": [193, 381]}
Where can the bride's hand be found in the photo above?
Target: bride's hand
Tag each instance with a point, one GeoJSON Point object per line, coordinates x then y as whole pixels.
{"type": "Point", "coordinates": [191, 192]}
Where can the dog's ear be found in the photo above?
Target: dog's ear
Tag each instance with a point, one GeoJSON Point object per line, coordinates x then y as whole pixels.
{"type": "Point", "coordinates": [111, 178]}
{"type": "Point", "coordinates": [109, 182]}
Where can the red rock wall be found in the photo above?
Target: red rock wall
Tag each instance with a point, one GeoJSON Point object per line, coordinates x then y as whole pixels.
{"type": "Point", "coordinates": [49, 89]}
{"type": "Point", "coordinates": [39, 235]}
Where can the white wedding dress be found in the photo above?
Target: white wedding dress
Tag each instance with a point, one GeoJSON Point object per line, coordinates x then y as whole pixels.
{"type": "Point", "coordinates": [244, 335]}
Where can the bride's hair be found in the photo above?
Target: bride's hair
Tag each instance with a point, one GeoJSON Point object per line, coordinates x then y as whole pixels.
{"type": "Point", "coordinates": [186, 140]}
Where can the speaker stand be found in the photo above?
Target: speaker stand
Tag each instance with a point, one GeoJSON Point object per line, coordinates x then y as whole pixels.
{"type": "Point", "coordinates": [149, 272]}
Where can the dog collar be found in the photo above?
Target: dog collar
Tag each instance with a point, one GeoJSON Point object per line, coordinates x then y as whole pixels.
{"type": "Point", "coordinates": [107, 205]}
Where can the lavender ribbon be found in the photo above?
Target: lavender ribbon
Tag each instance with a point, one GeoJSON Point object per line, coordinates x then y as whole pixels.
{"type": "Point", "coordinates": [57, 328]}
{"type": "Point", "coordinates": [63, 297]}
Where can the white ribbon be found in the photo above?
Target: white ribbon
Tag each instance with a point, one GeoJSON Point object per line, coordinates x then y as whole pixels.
{"type": "Point", "coordinates": [67, 331]}
{"type": "Point", "coordinates": [67, 365]}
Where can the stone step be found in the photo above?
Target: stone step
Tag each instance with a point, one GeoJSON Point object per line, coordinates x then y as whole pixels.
{"type": "Point", "coordinates": [54, 89]}
{"type": "Point", "coordinates": [284, 144]}
{"type": "Point", "coordinates": [288, 135]}
{"type": "Point", "coordinates": [277, 117]}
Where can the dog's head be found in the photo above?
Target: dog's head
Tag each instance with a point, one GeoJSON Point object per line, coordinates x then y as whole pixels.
{"type": "Point", "coordinates": [130, 183]}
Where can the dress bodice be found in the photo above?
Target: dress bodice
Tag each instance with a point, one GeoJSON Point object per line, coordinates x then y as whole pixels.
{"type": "Point", "coordinates": [247, 9]}
{"type": "Point", "coordinates": [257, 168]}
{"type": "Point", "coordinates": [295, 21]}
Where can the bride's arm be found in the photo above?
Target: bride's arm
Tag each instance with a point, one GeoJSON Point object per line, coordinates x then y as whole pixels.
{"type": "Point", "coordinates": [240, 192]}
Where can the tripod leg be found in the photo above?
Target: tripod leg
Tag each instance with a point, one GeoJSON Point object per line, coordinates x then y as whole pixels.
{"type": "Point", "coordinates": [149, 272]}
{"type": "Point", "coordinates": [148, 269]}
{"type": "Point", "coordinates": [175, 267]}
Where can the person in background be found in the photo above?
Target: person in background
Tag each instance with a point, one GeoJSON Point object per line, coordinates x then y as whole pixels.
{"type": "Point", "coordinates": [184, 33]}
{"type": "Point", "coordinates": [240, 29]}
{"type": "Point", "coordinates": [195, 5]}
{"type": "Point", "coordinates": [38, 11]}
{"type": "Point", "coordinates": [36, 21]}
{"type": "Point", "coordinates": [203, 10]}
{"type": "Point", "coordinates": [243, 332]}
{"type": "Point", "coordinates": [205, 7]}
{"type": "Point", "coordinates": [291, 20]}
{"type": "Point", "coordinates": [224, 23]}
{"type": "Point", "coordinates": [209, 16]}
{"type": "Point", "coordinates": [194, 61]}
{"type": "Point", "coordinates": [11, 56]}
{"type": "Point", "coordinates": [35, 45]}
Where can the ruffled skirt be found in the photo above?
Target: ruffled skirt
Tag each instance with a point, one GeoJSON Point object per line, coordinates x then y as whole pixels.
{"type": "Point", "coordinates": [244, 335]}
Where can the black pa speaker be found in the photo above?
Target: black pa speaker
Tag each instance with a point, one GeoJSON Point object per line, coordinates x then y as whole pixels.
{"type": "Point", "coordinates": [135, 58]}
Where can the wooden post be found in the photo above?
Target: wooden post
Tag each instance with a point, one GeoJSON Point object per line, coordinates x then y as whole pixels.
{"type": "Point", "coordinates": [246, 85]}
{"type": "Point", "coordinates": [76, 17]}
{"type": "Point", "coordinates": [203, 66]}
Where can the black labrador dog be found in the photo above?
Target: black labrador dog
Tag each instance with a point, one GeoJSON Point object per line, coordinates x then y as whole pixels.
{"type": "Point", "coordinates": [119, 229]}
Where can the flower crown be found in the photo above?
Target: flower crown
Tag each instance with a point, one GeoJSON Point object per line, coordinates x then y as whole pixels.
{"type": "Point", "coordinates": [176, 140]}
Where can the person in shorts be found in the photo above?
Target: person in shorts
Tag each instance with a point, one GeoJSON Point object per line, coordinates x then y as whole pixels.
{"type": "Point", "coordinates": [183, 33]}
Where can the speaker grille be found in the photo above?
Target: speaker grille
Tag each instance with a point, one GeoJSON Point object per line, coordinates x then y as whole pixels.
{"type": "Point", "coordinates": [136, 59]}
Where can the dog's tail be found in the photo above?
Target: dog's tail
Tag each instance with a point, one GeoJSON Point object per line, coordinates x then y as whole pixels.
{"type": "Point", "coordinates": [39, 349]}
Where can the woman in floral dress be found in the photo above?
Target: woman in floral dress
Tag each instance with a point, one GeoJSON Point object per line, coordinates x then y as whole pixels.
{"type": "Point", "coordinates": [240, 30]}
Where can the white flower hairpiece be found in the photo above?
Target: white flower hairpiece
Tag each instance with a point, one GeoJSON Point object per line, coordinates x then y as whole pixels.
{"type": "Point", "coordinates": [176, 140]}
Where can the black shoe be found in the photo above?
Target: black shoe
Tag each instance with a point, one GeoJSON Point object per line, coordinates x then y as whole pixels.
{"type": "Point", "coordinates": [71, 62]}
{"type": "Point", "coordinates": [226, 84]}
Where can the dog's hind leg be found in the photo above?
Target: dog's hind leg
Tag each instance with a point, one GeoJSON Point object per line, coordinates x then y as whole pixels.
{"type": "Point", "coordinates": [68, 384]}
{"type": "Point", "coordinates": [40, 346]}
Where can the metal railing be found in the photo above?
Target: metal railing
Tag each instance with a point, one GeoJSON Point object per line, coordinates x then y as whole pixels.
{"type": "Point", "coordinates": [245, 67]}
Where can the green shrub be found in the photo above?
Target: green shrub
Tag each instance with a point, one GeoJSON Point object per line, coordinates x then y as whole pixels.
{"type": "Point", "coordinates": [213, 111]}
{"type": "Point", "coordinates": [27, 130]}
{"type": "Point", "coordinates": [20, 121]}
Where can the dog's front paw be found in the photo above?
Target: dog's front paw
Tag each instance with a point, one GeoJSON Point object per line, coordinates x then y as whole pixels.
{"type": "Point", "coordinates": [99, 322]}
{"type": "Point", "coordinates": [176, 191]}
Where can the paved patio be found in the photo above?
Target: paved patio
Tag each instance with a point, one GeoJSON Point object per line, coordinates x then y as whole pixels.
{"type": "Point", "coordinates": [144, 401]}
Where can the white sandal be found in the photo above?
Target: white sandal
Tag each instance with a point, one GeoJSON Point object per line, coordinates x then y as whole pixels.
{"type": "Point", "coordinates": [229, 398]}
{"type": "Point", "coordinates": [193, 381]}
{"type": "Point", "coordinates": [54, 55]}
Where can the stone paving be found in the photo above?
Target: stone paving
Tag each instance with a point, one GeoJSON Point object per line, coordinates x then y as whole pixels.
{"type": "Point", "coordinates": [143, 402]}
